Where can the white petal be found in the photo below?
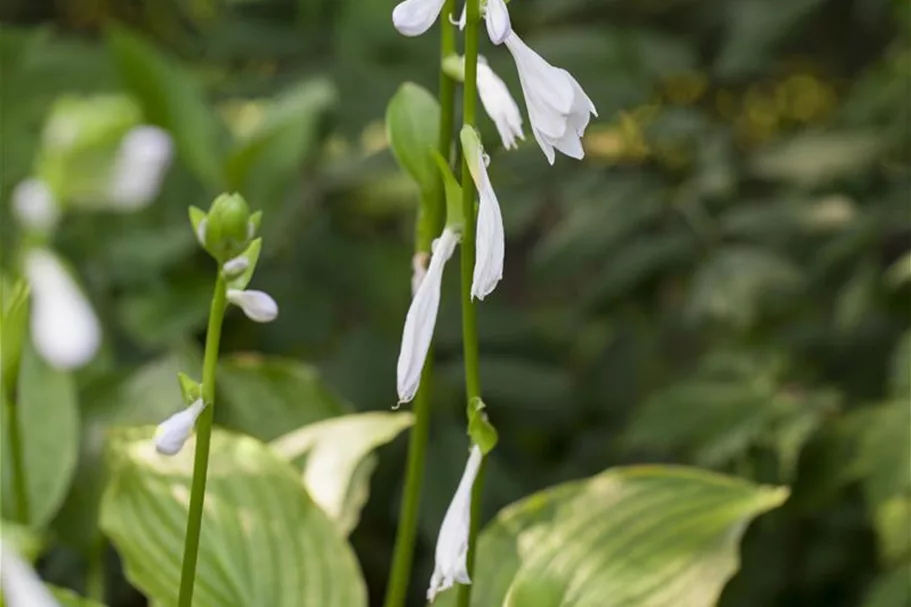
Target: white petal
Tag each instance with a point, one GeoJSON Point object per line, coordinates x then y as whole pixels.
{"type": "Point", "coordinates": [141, 164]}
{"type": "Point", "coordinates": [235, 267]}
{"type": "Point", "coordinates": [173, 433]}
{"type": "Point", "coordinates": [547, 85]}
{"type": "Point", "coordinates": [414, 17]}
{"type": "Point", "coordinates": [499, 105]}
{"type": "Point", "coordinates": [35, 206]}
{"type": "Point", "coordinates": [570, 145]}
{"type": "Point", "coordinates": [257, 305]}
{"type": "Point", "coordinates": [497, 17]}
{"type": "Point", "coordinates": [545, 146]}
{"type": "Point", "coordinates": [64, 328]}
{"type": "Point", "coordinates": [489, 246]}
{"type": "Point", "coordinates": [450, 564]}
{"type": "Point", "coordinates": [421, 319]}
{"type": "Point", "coordinates": [20, 584]}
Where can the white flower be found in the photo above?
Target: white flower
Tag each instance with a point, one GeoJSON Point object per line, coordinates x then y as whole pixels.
{"type": "Point", "coordinates": [414, 17]}
{"type": "Point", "coordinates": [235, 267]}
{"type": "Point", "coordinates": [20, 584]}
{"type": "Point", "coordinates": [499, 105]}
{"type": "Point", "coordinates": [35, 206]}
{"type": "Point", "coordinates": [141, 163]}
{"type": "Point", "coordinates": [558, 108]}
{"type": "Point", "coordinates": [452, 544]}
{"type": "Point", "coordinates": [257, 305]}
{"type": "Point", "coordinates": [496, 16]}
{"type": "Point", "coordinates": [489, 237]}
{"type": "Point", "coordinates": [173, 433]}
{"type": "Point", "coordinates": [418, 270]}
{"type": "Point", "coordinates": [64, 327]}
{"type": "Point", "coordinates": [422, 317]}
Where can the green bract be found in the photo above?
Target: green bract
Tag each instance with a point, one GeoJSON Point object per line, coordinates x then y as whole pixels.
{"type": "Point", "coordinates": [228, 227]}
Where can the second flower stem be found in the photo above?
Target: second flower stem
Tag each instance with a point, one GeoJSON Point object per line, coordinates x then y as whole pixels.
{"type": "Point", "coordinates": [469, 323]}
{"type": "Point", "coordinates": [203, 439]}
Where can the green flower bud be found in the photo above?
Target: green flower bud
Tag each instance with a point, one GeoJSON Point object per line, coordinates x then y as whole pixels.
{"type": "Point", "coordinates": [227, 228]}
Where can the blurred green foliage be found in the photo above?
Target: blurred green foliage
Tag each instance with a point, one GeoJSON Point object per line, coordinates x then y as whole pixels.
{"type": "Point", "coordinates": [723, 281]}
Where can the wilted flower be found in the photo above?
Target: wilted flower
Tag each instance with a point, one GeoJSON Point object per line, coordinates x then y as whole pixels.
{"type": "Point", "coordinates": [257, 305]}
{"type": "Point", "coordinates": [422, 317]}
{"type": "Point", "coordinates": [140, 166]}
{"type": "Point", "coordinates": [499, 105]}
{"type": "Point", "coordinates": [558, 108]}
{"type": "Point", "coordinates": [64, 327]}
{"type": "Point", "coordinates": [414, 17]}
{"type": "Point", "coordinates": [20, 584]}
{"type": "Point", "coordinates": [450, 564]}
{"type": "Point", "coordinates": [35, 206]}
{"type": "Point", "coordinates": [173, 433]}
{"type": "Point", "coordinates": [489, 239]}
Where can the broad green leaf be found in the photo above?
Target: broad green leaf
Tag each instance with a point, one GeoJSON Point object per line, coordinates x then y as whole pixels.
{"type": "Point", "coordinates": [172, 100]}
{"type": "Point", "coordinates": [643, 535]}
{"type": "Point", "coordinates": [412, 125]}
{"type": "Point", "coordinates": [265, 396]}
{"type": "Point", "coordinates": [49, 428]}
{"type": "Point", "coordinates": [68, 598]}
{"type": "Point", "coordinates": [336, 457]}
{"type": "Point", "coordinates": [816, 158]}
{"type": "Point", "coordinates": [26, 540]}
{"type": "Point", "coordinates": [890, 588]}
{"type": "Point", "coordinates": [264, 542]}
{"type": "Point", "coordinates": [13, 318]}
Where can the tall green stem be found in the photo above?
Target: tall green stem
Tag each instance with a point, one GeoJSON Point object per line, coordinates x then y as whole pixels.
{"type": "Point", "coordinates": [469, 323]}
{"type": "Point", "coordinates": [203, 438]}
{"type": "Point", "coordinates": [403, 556]}
{"type": "Point", "coordinates": [20, 486]}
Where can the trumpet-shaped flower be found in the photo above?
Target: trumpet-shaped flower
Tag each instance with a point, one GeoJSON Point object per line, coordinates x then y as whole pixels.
{"type": "Point", "coordinates": [257, 305]}
{"type": "Point", "coordinates": [414, 17]}
{"type": "Point", "coordinates": [499, 105]}
{"type": "Point", "coordinates": [173, 433]}
{"type": "Point", "coordinates": [558, 108]}
{"type": "Point", "coordinates": [490, 239]}
{"type": "Point", "coordinates": [452, 544]}
{"type": "Point", "coordinates": [422, 317]}
{"type": "Point", "coordinates": [35, 206]}
{"type": "Point", "coordinates": [142, 161]}
{"type": "Point", "coordinates": [20, 584]}
{"type": "Point", "coordinates": [64, 328]}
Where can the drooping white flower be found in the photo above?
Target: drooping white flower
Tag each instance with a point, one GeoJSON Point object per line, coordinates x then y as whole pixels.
{"type": "Point", "coordinates": [64, 328]}
{"type": "Point", "coordinates": [257, 305]}
{"type": "Point", "coordinates": [414, 17]}
{"type": "Point", "coordinates": [496, 16]}
{"type": "Point", "coordinates": [142, 161]}
{"type": "Point", "coordinates": [173, 433]}
{"type": "Point", "coordinates": [450, 564]}
{"type": "Point", "coordinates": [558, 108]}
{"type": "Point", "coordinates": [422, 317]}
{"type": "Point", "coordinates": [21, 586]}
{"type": "Point", "coordinates": [418, 270]}
{"type": "Point", "coordinates": [499, 105]}
{"type": "Point", "coordinates": [489, 238]}
{"type": "Point", "coordinates": [35, 206]}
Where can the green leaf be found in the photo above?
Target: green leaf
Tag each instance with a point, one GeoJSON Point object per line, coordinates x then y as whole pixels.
{"type": "Point", "coordinates": [265, 396]}
{"type": "Point", "coordinates": [172, 100]}
{"type": "Point", "coordinates": [13, 318]}
{"type": "Point", "coordinates": [816, 158]}
{"type": "Point", "coordinates": [900, 379]}
{"type": "Point", "coordinates": [336, 458]}
{"type": "Point", "coordinates": [264, 542]}
{"type": "Point", "coordinates": [643, 535]}
{"type": "Point", "coordinates": [412, 124]}
{"type": "Point", "coordinates": [890, 588]}
{"type": "Point", "coordinates": [482, 432]}
{"type": "Point", "coordinates": [252, 256]}
{"type": "Point", "coordinates": [68, 598]}
{"type": "Point", "coordinates": [49, 427]}
{"type": "Point", "coordinates": [26, 540]}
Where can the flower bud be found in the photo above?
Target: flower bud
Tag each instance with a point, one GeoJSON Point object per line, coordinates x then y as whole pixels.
{"type": "Point", "coordinates": [35, 206]}
{"type": "Point", "coordinates": [258, 306]}
{"type": "Point", "coordinates": [227, 231]}
{"type": "Point", "coordinates": [173, 433]}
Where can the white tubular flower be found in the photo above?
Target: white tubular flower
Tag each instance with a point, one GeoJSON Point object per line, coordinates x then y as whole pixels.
{"type": "Point", "coordinates": [490, 239]}
{"type": "Point", "coordinates": [558, 108]}
{"type": "Point", "coordinates": [450, 564]}
{"type": "Point", "coordinates": [422, 317]}
{"type": "Point", "coordinates": [257, 305]}
{"type": "Point", "coordinates": [142, 161]}
{"type": "Point", "coordinates": [497, 17]}
{"type": "Point", "coordinates": [35, 206]}
{"type": "Point", "coordinates": [414, 17]}
{"type": "Point", "coordinates": [499, 105]}
{"type": "Point", "coordinates": [173, 433]}
{"type": "Point", "coordinates": [64, 328]}
{"type": "Point", "coordinates": [20, 584]}
{"type": "Point", "coordinates": [418, 270]}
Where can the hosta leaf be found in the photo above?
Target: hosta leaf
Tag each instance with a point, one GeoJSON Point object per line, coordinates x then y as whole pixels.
{"type": "Point", "coordinates": [68, 598]}
{"type": "Point", "coordinates": [50, 449]}
{"type": "Point", "coordinates": [336, 458]}
{"type": "Point", "coordinates": [644, 535]}
{"type": "Point", "coordinates": [264, 542]}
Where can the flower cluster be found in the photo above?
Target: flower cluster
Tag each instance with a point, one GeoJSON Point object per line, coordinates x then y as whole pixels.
{"type": "Point", "coordinates": [559, 112]}
{"type": "Point", "coordinates": [228, 233]}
